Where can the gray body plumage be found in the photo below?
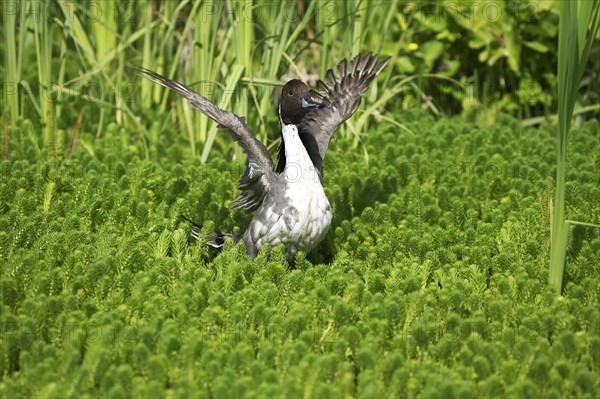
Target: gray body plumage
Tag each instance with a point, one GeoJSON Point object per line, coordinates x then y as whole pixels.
{"type": "Point", "coordinates": [288, 203]}
{"type": "Point", "coordinates": [295, 212]}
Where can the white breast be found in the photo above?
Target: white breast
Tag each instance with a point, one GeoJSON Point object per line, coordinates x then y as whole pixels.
{"type": "Point", "coordinates": [302, 217]}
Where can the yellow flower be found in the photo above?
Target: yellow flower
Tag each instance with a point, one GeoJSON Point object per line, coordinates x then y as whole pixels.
{"type": "Point", "coordinates": [413, 47]}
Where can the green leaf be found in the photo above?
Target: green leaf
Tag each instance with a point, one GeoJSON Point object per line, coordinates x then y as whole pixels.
{"type": "Point", "coordinates": [536, 46]}
{"type": "Point", "coordinates": [405, 64]}
{"type": "Point", "coordinates": [431, 51]}
{"type": "Point", "coordinates": [513, 51]}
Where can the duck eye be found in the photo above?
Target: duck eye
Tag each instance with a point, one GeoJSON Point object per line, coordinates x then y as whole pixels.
{"type": "Point", "coordinates": [290, 93]}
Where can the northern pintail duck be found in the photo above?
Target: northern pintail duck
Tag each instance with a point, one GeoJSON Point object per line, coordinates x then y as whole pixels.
{"type": "Point", "coordinates": [288, 203]}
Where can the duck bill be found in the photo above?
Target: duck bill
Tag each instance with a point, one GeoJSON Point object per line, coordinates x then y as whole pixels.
{"type": "Point", "coordinates": [308, 102]}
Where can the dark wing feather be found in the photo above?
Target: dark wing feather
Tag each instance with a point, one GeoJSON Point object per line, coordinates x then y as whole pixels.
{"type": "Point", "coordinates": [258, 174]}
{"type": "Point", "coordinates": [341, 97]}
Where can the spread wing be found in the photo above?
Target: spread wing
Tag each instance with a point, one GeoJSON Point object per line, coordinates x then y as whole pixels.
{"type": "Point", "coordinates": [258, 173]}
{"type": "Point", "coordinates": [340, 99]}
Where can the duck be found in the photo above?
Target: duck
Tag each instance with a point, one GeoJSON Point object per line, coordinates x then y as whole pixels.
{"type": "Point", "coordinates": [287, 200]}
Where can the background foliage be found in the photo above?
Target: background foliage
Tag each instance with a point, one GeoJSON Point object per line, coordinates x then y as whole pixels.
{"type": "Point", "coordinates": [66, 63]}
{"type": "Point", "coordinates": [432, 281]}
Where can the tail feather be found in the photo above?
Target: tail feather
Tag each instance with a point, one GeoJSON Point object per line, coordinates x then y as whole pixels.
{"type": "Point", "coordinates": [195, 229]}
{"type": "Point", "coordinates": [217, 239]}
{"type": "Point", "coordinates": [195, 232]}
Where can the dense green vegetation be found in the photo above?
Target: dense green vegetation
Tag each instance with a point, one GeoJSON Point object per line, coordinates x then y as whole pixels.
{"type": "Point", "coordinates": [433, 280]}
{"type": "Point", "coordinates": [66, 63]}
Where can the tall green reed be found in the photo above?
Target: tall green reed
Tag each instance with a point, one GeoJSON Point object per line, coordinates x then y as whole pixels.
{"type": "Point", "coordinates": [13, 56]}
{"type": "Point", "coordinates": [234, 52]}
{"type": "Point", "coordinates": [578, 26]}
{"type": "Point", "coordinates": [43, 34]}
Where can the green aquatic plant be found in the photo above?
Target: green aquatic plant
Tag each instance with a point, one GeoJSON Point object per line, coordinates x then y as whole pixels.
{"type": "Point", "coordinates": [431, 281]}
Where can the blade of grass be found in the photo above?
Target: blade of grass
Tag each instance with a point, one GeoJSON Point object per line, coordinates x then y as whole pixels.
{"type": "Point", "coordinates": [230, 85]}
{"type": "Point", "coordinates": [205, 58]}
{"type": "Point", "coordinates": [274, 49]}
{"type": "Point", "coordinates": [12, 73]}
{"type": "Point", "coordinates": [147, 57]}
{"type": "Point", "coordinates": [159, 54]}
{"type": "Point", "coordinates": [328, 17]}
{"type": "Point", "coordinates": [554, 118]}
{"type": "Point", "coordinates": [77, 31]}
{"type": "Point", "coordinates": [33, 99]}
{"type": "Point", "coordinates": [574, 222]}
{"type": "Point", "coordinates": [105, 31]}
{"type": "Point", "coordinates": [187, 35]}
{"type": "Point", "coordinates": [5, 138]}
{"type": "Point", "coordinates": [61, 76]}
{"type": "Point", "coordinates": [578, 26]}
{"type": "Point", "coordinates": [43, 50]}
{"type": "Point", "coordinates": [244, 39]}
{"type": "Point", "coordinates": [308, 14]}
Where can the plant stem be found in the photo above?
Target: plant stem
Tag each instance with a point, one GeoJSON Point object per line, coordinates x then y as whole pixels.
{"type": "Point", "coordinates": [578, 25]}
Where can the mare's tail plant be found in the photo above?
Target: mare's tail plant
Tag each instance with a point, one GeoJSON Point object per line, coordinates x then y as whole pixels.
{"type": "Point", "coordinates": [578, 26]}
